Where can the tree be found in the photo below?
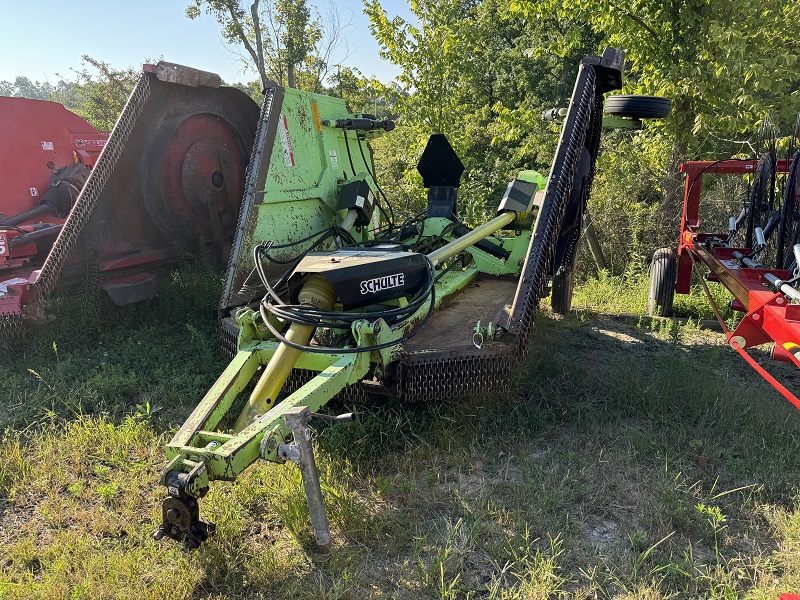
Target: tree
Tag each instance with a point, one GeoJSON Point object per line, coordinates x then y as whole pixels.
{"type": "Point", "coordinates": [723, 63]}
{"type": "Point", "coordinates": [284, 39]}
{"type": "Point", "coordinates": [100, 92]}
{"type": "Point", "coordinates": [468, 70]}
{"type": "Point", "coordinates": [22, 87]}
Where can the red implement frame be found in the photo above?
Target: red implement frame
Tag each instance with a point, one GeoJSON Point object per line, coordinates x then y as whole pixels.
{"type": "Point", "coordinates": [769, 317]}
{"type": "Point", "coordinates": [169, 180]}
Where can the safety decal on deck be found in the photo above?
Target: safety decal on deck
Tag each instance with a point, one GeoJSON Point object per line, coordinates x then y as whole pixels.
{"type": "Point", "coordinates": [2, 244]}
{"type": "Point", "coordinates": [34, 191]}
{"type": "Point", "coordinates": [48, 146]}
{"type": "Point", "coordinates": [334, 161]}
{"type": "Point", "coordinates": [80, 143]}
{"type": "Point", "coordinates": [286, 142]}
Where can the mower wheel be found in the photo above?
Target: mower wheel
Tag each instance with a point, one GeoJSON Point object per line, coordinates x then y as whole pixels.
{"type": "Point", "coordinates": [638, 107]}
{"type": "Point", "coordinates": [663, 271]}
{"type": "Point", "coordinates": [561, 293]}
{"type": "Point", "coordinates": [563, 283]}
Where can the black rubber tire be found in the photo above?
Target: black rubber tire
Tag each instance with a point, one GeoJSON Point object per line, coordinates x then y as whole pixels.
{"type": "Point", "coordinates": [561, 294]}
{"type": "Point", "coordinates": [663, 271]}
{"type": "Point", "coordinates": [563, 284]}
{"type": "Point", "coordinates": [789, 228]}
{"type": "Point", "coordinates": [638, 107]}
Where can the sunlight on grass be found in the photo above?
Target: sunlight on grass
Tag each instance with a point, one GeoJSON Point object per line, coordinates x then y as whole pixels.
{"type": "Point", "coordinates": [627, 294]}
{"type": "Point", "coordinates": [635, 458]}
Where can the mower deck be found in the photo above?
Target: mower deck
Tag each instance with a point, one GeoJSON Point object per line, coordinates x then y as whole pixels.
{"type": "Point", "coordinates": [486, 300]}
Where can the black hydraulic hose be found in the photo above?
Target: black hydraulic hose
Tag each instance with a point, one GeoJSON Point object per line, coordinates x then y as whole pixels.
{"type": "Point", "coordinates": [380, 191]}
{"type": "Point", "coordinates": [34, 236]}
{"type": "Point", "coordinates": [27, 215]}
{"type": "Point", "coordinates": [333, 350]}
{"type": "Point", "coordinates": [389, 219]}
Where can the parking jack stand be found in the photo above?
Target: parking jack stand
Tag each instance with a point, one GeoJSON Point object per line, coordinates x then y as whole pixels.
{"type": "Point", "coordinates": [300, 453]}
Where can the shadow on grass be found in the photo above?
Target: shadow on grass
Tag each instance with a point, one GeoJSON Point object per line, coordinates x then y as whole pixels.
{"type": "Point", "coordinates": [629, 459]}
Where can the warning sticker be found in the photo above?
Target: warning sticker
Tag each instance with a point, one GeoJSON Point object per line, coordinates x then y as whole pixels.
{"type": "Point", "coordinates": [2, 244]}
{"type": "Point", "coordinates": [34, 191]}
{"type": "Point", "coordinates": [286, 142]}
{"type": "Point", "coordinates": [48, 146]}
{"type": "Point", "coordinates": [80, 143]}
{"type": "Point", "coordinates": [334, 161]}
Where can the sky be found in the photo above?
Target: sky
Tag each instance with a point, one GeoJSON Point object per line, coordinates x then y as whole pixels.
{"type": "Point", "coordinates": [45, 39]}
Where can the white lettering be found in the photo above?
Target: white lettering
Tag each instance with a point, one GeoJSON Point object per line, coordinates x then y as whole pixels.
{"type": "Point", "coordinates": [372, 286]}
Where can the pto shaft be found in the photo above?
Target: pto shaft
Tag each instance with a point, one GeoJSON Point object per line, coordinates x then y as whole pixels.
{"type": "Point", "coordinates": [476, 235]}
{"type": "Point", "coordinates": [318, 292]}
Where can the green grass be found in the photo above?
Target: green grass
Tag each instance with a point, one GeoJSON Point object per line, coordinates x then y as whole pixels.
{"type": "Point", "coordinates": [627, 294]}
{"type": "Point", "coordinates": [635, 458]}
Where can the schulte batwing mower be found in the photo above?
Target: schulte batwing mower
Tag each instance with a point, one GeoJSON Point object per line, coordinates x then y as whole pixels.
{"type": "Point", "coordinates": [326, 295]}
{"type": "Point", "coordinates": [168, 177]}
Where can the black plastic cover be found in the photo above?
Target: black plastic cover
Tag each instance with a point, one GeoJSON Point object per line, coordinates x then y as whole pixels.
{"type": "Point", "coordinates": [439, 164]}
{"type": "Point", "coordinates": [364, 276]}
{"type": "Point", "coordinates": [357, 194]}
{"type": "Point", "coordinates": [518, 197]}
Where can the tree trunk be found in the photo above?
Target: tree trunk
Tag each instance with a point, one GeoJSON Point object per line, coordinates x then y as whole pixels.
{"type": "Point", "coordinates": [290, 75]}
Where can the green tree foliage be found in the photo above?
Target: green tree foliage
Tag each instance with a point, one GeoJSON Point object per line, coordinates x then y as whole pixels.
{"type": "Point", "coordinates": [723, 63]}
{"type": "Point", "coordinates": [285, 40]}
{"type": "Point", "coordinates": [100, 92]}
{"type": "Point", "coordinates": [467, 70]}
{"type": "Point", "coordinates": [22, 87]}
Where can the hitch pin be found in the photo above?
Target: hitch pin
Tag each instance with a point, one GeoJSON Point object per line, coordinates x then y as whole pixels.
{"type": "Point", "coordinates": [343, 418]}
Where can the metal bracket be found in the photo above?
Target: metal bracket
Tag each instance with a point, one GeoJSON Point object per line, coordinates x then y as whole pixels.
{"type": "Point", "coordinates": [301, 453]}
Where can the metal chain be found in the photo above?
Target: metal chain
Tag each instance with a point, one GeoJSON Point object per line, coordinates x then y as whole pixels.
{"type": "Point", "coordinates": [228, 331]}
{"type": "Point", "coordinates": [490, 373]}
{"type": "Point", "coordinates": [11, 326]}
{"type": "Point", "coordinates": [229, 295]}
{"type": "Point", "coordinates": [546, 233]}
{"type": "Point", "coordinates": [87, 200]}
{"type": "Point", "coordinates": [594, 147]}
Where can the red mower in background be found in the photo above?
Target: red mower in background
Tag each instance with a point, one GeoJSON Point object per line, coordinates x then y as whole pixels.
{"type": "Point", "coordinates": [757, 259]}
{"type": "Point", "coordinates": [125, 204]}
{"type": "Point", "coordinates": [46, 153]}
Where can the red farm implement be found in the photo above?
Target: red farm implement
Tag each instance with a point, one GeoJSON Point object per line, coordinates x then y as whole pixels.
{"type": "Point", "coordinates": [125, 204]}
{"type": "Point", "coordinates": [756, 259]}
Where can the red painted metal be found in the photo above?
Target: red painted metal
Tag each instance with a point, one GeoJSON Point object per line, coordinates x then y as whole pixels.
{"type": "Point", "coordinates": [768, 317]}
{"type": "Point", "coordinates": [38, 137]}
{"type": "Point", "coordinates": [178, 183]}
{"type": "Point", "coordinates": [690, 220]}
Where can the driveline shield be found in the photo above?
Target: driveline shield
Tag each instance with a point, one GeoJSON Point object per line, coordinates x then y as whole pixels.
{"type": "Point", "coordinates": [364, 276]}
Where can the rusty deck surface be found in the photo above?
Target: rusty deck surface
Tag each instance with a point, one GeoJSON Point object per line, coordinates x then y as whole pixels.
{"type": "Point", "coordinates": [452, 325]}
